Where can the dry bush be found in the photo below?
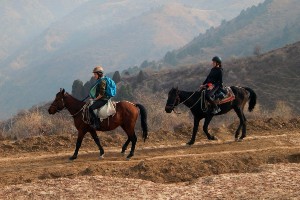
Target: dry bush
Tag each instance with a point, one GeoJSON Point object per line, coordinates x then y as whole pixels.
{"type": "Point", "coordinates": [258, 113]}
{"type": "Point", "coordinates": [157, 117]}
{"type": "Point", "coordinates": [32, 123]}
{"type": "Point", "coordinates": [29, 125]}
{"type": "Point", "coordinates": [2, 135]}
{"type": "Point", "coordinates": [282, 110]}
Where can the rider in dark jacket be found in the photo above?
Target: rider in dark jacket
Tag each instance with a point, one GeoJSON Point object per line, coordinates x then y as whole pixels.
{"type": "Point", "coordinates": [213, 82]}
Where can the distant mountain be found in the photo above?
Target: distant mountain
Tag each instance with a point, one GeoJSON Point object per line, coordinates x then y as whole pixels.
{"type": "Point", "coordinates": [23, 21]}
{"type": "Point", "coordinates": [124, 33]}
{"type": "Point", "coordinates": [261, 28]}
{"type": "Point", "coordinates": [71, 38]}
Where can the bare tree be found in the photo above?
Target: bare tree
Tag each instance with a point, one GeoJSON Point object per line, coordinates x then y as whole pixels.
{"type": "Point", "coordinates": [257, 50]}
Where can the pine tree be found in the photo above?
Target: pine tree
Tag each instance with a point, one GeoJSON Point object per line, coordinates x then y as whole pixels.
{"type": "Point", "coordinates": [77, 89]}
{"type": "Point", "coordinates": [124, 92]}
{"type": "Point", "coordinates": [116, 77]}
{"type": "Point", "coordinates": [141, 77]}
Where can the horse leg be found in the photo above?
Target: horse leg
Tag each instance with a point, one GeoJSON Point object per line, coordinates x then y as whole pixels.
{"type": "Point", "coordinates": [244, 128]}
{"type": "Point", "coordinates": [78, 144]}
{"type": "Point", "coordinates": [133, 143]}
{"type": "Point", "coordinates": [97, 141]}
{"type": "Point", "coordinates": [124, 147]}
{"type": "Point", "coordinates": [241, 117]}
{"type": "Point", "coordinates": [129, 130]}
{"type": "Point", "coordinates": [205, 128]}
{"type": "Point", "coordinates": [195, 130]}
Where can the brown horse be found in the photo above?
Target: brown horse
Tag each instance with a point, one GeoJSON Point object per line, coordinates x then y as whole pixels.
{"type": "Point", "coordinates": [194, 101]}
{"type": "Point", "coordinates": [126, 116]}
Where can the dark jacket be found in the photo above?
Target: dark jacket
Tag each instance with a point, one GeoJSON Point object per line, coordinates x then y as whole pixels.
{"type": "Point", "coordinates": [215, 77]}
{"type": "Point", "coordinates": [101, 90]}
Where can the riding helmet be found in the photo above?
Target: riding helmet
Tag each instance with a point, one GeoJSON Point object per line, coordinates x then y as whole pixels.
{"type": "Point", "coordinates": [217, 59]}
{"type": "Point", "coordinates": [98, 69]}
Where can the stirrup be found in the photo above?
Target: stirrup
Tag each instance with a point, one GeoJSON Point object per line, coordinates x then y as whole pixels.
{"type": "Point", "coordinates": [216, 110]}
{"type": "Point", "coordinates": [96, 126]}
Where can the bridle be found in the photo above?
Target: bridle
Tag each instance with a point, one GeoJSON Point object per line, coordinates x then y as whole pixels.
{"type": "Point", "coordinates": [54, 105]}
{"type": "Point", "coordinates": [177, 101]}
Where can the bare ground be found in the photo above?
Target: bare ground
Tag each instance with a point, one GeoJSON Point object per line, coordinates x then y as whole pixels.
{"type": "Point", "coordinates": [265, 165]}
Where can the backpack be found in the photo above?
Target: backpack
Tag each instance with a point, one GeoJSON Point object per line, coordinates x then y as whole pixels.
{"type": "Point", "coordinates": [110, 90]}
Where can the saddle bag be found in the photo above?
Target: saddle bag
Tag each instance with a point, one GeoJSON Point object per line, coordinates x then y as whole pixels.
{"type": "Point", "coordinates": [107, 110]}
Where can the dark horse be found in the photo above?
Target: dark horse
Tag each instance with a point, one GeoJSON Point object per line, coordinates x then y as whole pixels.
{"type": "Point", "coordinates": [126, 116]}
{"type": "Point", "coordinates": [193, 100]}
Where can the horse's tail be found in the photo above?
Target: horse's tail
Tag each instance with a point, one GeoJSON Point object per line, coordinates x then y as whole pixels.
{"type": "Point", "coordinates": [143, 113]}
{"type": "Point", "coordinates": [252, 99]}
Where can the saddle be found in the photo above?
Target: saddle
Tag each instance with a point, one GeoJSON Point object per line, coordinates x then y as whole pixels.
{"type": "Point", "coordinates": [224, 95]}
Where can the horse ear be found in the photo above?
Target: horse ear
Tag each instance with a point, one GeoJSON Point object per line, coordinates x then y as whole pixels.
{"type": "Point", "coordinates": [62, 90]}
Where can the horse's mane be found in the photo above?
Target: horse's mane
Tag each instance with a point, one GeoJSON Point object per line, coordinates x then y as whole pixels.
{"type": "Point", "coordinates": [74, 100]}
{"type": "Point", "coordinates": [190, 92]}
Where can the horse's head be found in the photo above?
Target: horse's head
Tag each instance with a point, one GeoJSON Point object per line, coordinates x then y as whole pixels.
{"type": "Point", "coordinates": [58, 104]}
{"type": "Point", "coordinates": [173, 100]}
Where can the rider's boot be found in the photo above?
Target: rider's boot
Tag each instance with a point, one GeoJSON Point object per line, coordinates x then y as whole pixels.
{"type": "Point", "coordinates": [95, 120]}
{"type": "Point", "coordinates": [215, 109]}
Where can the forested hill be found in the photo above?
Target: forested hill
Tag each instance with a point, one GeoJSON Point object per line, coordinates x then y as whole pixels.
{"type": "Point", "coordinates": [258, 29]}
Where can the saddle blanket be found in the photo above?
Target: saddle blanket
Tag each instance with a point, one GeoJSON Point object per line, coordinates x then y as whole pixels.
{"type": "Point", "coordinates": [229, 96]}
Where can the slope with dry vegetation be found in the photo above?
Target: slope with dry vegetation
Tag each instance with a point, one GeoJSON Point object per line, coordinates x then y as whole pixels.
{"type": "Point", "coordinates": [35, 146]}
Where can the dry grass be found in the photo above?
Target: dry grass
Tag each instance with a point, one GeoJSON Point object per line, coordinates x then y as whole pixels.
{"type": "Point", "coordinates": [37, 121]}
{"type": "Point", "coordinates": [157, 116]}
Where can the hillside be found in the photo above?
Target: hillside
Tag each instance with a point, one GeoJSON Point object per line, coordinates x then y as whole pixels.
{"type": "Point", "coordinates": [267, 26]}
{"type": "Point", "coordinates": [116, 34]}
{"type": "Point", "coordinates": [274, 76]}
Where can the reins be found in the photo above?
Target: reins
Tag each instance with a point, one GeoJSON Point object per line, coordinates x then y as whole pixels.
{"type": "Point", "coordinates": [186, 101]}
{"type": "Point", "coordinates": [203, 100]}
{"type": "Point", "coordinates": [78, 111]}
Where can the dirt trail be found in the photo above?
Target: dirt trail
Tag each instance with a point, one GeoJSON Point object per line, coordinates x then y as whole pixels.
{"type": "Point", "coordinates": [171, 163]}
{"type": "Point", "coordinates": [163, 167]}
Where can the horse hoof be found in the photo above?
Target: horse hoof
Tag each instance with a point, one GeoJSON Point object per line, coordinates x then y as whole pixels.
{"type": "Point", "coordinates": [101, 156]}
{"type": "Point", "coordinates": [190, 143]}
{"type": "Point", "coordinates": [72, 158]}
{"type": "Point", "coordinates": [213, 138]}
{"type": "Point", "coordinates": [129, 156]}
